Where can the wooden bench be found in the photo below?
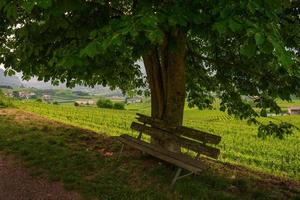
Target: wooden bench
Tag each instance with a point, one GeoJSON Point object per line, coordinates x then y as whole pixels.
{"type": "Point", "coordinates": [187, 138]}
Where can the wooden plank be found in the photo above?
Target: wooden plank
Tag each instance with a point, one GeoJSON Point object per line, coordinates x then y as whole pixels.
{"type": "Point", "coordinates": [157, 133]}
{"type": "Point", "coordinates": [183, 142]}
{"type": "Point", "coordinates": [176, 159]}
{"type": "Point", "coordinates": [182, 130]}
{"type": "Point", "coordinates": [199, 135]}
{"type": "Point", "coordinates": [179, 156]}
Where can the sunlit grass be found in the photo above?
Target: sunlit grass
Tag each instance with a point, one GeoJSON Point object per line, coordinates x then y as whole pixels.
{"type": "Point", "coordinates": [239, 145]}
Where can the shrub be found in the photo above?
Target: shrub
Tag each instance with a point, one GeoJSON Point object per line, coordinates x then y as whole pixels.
{"type": "Point", "coordinates": [55, 103]}
{"type": "Point", "coordinates": [105, 103]}
{"type": "Point", "coordinates": [119, 106]}
{"type": "Point", "coordinates": [76, 104]}
{"type": "Point", "coordinates": [39, 100]}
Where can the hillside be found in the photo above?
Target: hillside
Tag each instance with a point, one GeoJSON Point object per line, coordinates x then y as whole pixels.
{"type": "Point", "coordinates": [12, 81]}
{"type": "Point", "coordinates": [34, 83]}
{"type": "Point", "coordinates": [87, 162]}
{"type": "Point", "coordinates": [240, 144]}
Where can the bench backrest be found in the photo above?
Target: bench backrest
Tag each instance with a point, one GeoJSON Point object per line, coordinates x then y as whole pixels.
{"type": "Point", "coordinates": [181, 130]}
{"type": "Point", "coordinates": [186, 137]}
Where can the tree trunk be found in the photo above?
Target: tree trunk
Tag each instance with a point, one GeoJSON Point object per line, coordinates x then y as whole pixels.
{"type": "Point", "coordinates": [165, 67]}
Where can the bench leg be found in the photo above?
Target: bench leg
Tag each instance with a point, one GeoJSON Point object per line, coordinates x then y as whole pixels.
{"type": "Point", "coordinates": [139, 136]}
{"type": "Point", "coordinates": [176, 176]}
{"type": "Point", "coordinates": [183, 176]}
{"type": "Point", "coordinates": [120, 153]}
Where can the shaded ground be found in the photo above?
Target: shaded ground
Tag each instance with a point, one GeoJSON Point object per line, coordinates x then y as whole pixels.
{"type": "Point", "coordinates": [86, 162]}
{"type": "Point", "coordinates": [17, 184]}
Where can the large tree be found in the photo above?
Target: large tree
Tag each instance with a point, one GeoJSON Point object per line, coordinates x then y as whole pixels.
{"type": "Point", "coordinates": [191, 49]}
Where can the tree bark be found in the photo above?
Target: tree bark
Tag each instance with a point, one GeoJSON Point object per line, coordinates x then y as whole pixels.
{"type": "Point", "coordinates": [165, 67]}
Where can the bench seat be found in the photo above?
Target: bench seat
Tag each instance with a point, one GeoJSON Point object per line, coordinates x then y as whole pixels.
{"type": "Point", "coordinates": [177, 159]}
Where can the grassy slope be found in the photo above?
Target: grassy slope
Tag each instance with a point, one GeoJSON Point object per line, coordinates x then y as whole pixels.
{"type": "Point", "coordinates": [239, 145]}
{"type": "Point", "coordinates": [86, 162]}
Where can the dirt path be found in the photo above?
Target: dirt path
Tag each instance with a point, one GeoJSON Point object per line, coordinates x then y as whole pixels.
{"type": "Point", "coordinates": [17, 184]}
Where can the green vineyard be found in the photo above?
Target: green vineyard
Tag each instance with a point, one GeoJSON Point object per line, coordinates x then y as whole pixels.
{"type": "Point", "coordinates": [240, 144]}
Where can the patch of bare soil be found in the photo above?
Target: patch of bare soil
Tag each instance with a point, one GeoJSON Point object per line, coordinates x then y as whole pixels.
{"type": "Point", "coordinates": [26, 117]}
{"type": "Point", "coordinates": [17, 184]}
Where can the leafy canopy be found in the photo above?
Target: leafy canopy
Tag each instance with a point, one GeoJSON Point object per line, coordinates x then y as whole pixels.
{"type": "Point", "coordinates": [235, 48]}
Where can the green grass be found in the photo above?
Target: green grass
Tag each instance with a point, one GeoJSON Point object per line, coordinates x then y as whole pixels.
{"type": "Point", "coordinates": [5, 102]}
{"type": "Point", "coordinates": [284, 105]}
{"type": "Point", "coordinates": [86, 162]}
{"type": "Point", "coordinates": [240, 144]}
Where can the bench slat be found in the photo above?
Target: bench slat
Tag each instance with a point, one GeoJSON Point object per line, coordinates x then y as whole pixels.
{"type": "Point", "coordinates": [177, 159]}
{"type": "Point", "coordinates": [182, 130]}
{"type": "Point", "coordinates": [184, 142]}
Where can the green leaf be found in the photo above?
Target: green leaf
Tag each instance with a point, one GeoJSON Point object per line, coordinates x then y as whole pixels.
{"type": "Point", "coordinates": [90, 50]}
{"type": "Point", "coordinates": [248, 49]}
{"type": "Point", "coordinates": [93, 34]}
{"type": "Point", "coordinates": [267, 47]}
{"type": "Point", "coordinates": [220, 27]}
{"type": "Point", "coordinates": [28, 5]}
{"type": "Point", "coordinates": [2, 4]}
{"type": "Point", "coordinates": [283, 56]}
{"type": "Point", "coordinates": [177, 20]}
{"type": "Point", "coordinates": [9, 72]}
{"type": "Point", "coordinates": [44, 3]}
{"type": "Point", "coordinates": [156, 36]}
{"type": "Point", "coordinates": [286, 59]}
{"type": "Point", "coordinates": [149, 20]}
{"type": "Point", "coordinates": [259, 38]}
{"type": "Point", "coordinates": [234, 25]}
{"type": "Point", "coordinates": [11, 11]}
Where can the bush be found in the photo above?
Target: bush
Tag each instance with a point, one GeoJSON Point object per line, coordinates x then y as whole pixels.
{"type": "Point", "coordinates": [39, 100]}
{"type": "Point", "coordinates": [55, 103]}
{"type": "Point", "coordinates": [119, 106]}
{"type": "Point", "coordinates": [105, 103]}
{"type": "Point", "coordinates": [76, 104]}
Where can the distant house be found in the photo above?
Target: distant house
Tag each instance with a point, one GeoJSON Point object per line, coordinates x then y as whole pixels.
{"type": "Point", "coordinates": [22, 95]}
{"type": "Point", "coordinates": [85, 102]}
{"type": "Point", "coordinates": [294, 110]}
{"type": "Point", "coordinates": [32, 95]}
{"type": "Point", "coordinates": [47, 97]}
{"type": "Point", "coordinates": [27, 95]}
{"type": "Point", "coordinates": [134, 100]}
{"type": "Point", "coordinates": [9, 94]}
{"type": "Point", "coordinates": [117, 98]}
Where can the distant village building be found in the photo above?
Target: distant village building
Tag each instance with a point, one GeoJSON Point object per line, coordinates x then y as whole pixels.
{"type": "Point", "coordinates": [22, 95]}
{"type": "Point", "coordinates": [47, 97]}
{"type": "Point", "coordinates": [134, 100]}
{"type": "Point", "coordinates": [9, 94]}
{"type": "Point", "coordinates": [86, 102]}
{"type": "Point", "coordinates": [32, 95]}
{"type": "Point", "coordinates": [27, 95]}
{"type": "Point", "coordinates": [117, 98]}
{"type": "Point", "coordinates": [294, 110]}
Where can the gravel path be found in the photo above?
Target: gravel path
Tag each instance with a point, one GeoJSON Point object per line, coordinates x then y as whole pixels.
{"type": "Point", "coordinates": [17, 184]}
